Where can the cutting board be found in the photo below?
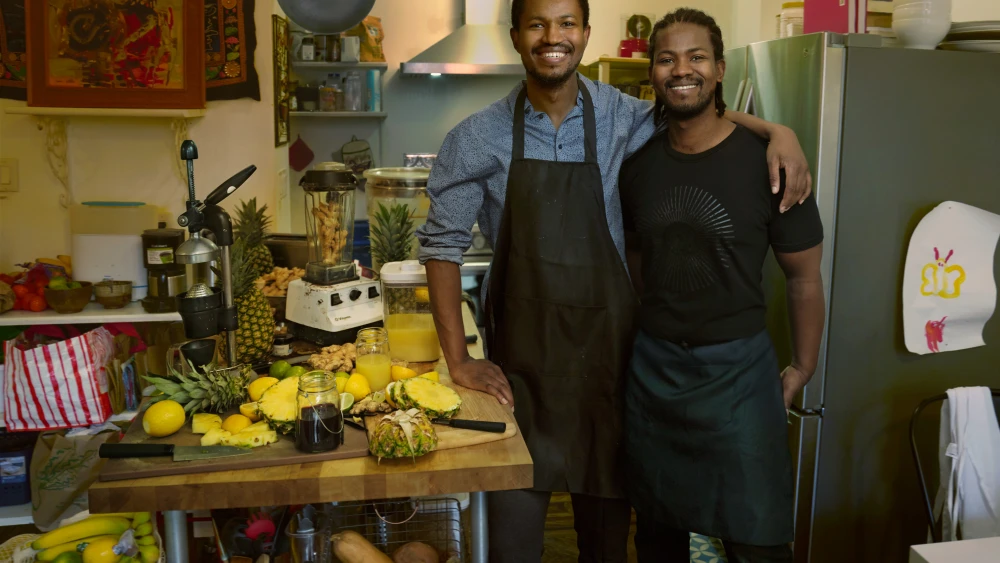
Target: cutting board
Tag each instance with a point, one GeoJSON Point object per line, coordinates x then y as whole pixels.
{"type": "Point", "coordinates": [282, 452]}
{"type": "Point", "coordinates": [475, 406]}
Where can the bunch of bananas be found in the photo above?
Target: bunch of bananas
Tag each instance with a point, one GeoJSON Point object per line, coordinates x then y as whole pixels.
{"type": "Point", "coordinates": [93, 540]}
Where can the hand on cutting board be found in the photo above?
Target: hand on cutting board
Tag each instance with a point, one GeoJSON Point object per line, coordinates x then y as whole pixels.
{"type": "Point", "coordinates": [485, 376]}
{"type": "Point", "coordinates": [792, 381]}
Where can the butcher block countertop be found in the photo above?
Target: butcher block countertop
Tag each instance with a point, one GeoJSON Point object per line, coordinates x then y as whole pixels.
{"type": "Point", "coordinates": [493, 466]}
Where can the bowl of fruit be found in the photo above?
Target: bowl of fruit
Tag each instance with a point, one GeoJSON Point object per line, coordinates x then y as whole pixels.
{"type": "Point", "coordinates": [68, 296]}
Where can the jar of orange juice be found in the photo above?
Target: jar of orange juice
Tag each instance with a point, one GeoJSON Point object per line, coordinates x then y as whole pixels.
{"type": "Point", "coordinates": [374, 361]}
{"type": "Point", "coordinates": [407, 312]}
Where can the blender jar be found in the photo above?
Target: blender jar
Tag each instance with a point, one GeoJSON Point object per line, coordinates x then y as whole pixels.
{"type": "Point", "coordinates": [330, 225]}
{"type": "Point", "coordinates": [391, 188]}
{"type": "Point", "coordinates": [407, 312]}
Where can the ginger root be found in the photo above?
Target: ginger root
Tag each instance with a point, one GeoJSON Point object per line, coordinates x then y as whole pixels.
{"type": "Point", "coordinates": [335, 358]}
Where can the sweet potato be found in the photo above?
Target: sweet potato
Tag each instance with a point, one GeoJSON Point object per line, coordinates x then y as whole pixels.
{"type": "Point", "coordinates": [415, 552]}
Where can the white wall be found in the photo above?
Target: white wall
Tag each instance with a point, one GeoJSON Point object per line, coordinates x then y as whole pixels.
{"type": "Point", "coordinates": [132, 160]}
{"type": "Point", "coordinates": [423, 109]}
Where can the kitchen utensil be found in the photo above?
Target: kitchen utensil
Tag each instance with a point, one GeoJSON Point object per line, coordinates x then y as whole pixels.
{"type": "Point", "coordinates": [332, 302]}
{"type": "Point", "coordinates": [308, 543]}
{"type": "Point", "coordinates": [179, 453]}
{"type": "Point", "coordinates": [318, 17]}
{"type": "Point", "coordinates": [67, 301]}
{"type": "Point", "coordinates": [300, 155]}
{"type": "Point", "coordinates": [200, 352]}
{"type": "Point", "coordinates": [480, 425]}
{"type": "Point", "coordinates": [113, 294]}
{"type": "Point", "coordinates": [407, 315]}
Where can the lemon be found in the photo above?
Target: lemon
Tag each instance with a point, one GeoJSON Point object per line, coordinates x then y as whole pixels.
{"type": "Point", "coordinates": [235, 423]}
{"type": "Point", "coordinates": [342, 383]}
{"type": "Point", "coordinates": [400, 372]}
{"type": "Point", "coordinates": [101, 549]}
{"type": "Point", "coordinates": [259, 385]}
{"type": "Point", "coordinates": [422, 294]}
{"type": "Point", "coordinates": [163, 418]}
{"type": "Point", "coordinates": [249, 410]}
{"type": "Point", "coordinates": [358, 386]}
{"type": "Point", "coordinates": [432, 375]}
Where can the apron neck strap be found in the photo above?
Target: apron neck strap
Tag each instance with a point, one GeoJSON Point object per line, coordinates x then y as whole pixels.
{"type": "Point", "coordinates": [589, 124]}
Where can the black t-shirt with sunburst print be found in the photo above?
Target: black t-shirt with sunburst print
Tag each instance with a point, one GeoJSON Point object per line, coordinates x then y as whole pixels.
{"type": "Point", "coordinates": [706, 222]}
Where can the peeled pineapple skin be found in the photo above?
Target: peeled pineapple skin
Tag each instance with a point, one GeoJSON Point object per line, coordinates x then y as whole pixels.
{"type": "Point", "coordinates": [435, 399]}
{"type": "Point", "coordinates": [389, 441]}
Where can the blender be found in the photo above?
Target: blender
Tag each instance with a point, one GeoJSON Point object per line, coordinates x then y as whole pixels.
{"type": "Point", "coordinates": [333, 301]}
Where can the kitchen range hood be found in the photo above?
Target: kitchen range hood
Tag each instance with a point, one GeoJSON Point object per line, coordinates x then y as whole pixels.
{"type": "Point", "coordinates": [481, 46]}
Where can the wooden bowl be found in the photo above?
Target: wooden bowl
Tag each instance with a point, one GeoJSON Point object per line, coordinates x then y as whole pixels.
{"type": "Point", "coordinates": [113, 294]}
{"type": "Point", "coordinates": [67, 301]}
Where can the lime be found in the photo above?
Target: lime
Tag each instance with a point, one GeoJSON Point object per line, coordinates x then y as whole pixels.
{"type": "Point", "coordinates": [68, 557]}
{"type": "Point", "coordinates": [295, 371]}
{"type": "Point", "coordinates": [346, 401]}
{"type": "Point", "coordinates": [278, 369]}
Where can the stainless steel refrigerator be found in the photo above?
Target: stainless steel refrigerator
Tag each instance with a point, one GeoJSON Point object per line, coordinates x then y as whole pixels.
{"type": "Point", "coordinates": [889, 134]}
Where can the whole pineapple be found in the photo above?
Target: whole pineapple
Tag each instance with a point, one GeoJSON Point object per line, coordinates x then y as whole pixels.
{"type": "Point", "coordinates": [391, 235]}
{"type": "Point", "coordinates": [255, 323]}
{"type": "Point", "coordinates": [253, 224]}
{"type": "Point", "coordinates": [213, 390]}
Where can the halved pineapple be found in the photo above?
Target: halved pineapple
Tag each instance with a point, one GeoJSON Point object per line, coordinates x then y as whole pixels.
{"type": "Point", "coordinates": [278, 404]}
{"type": "Point", "coordinates": [201, 422]}
{"type": "Point", "coordinates": [435, 399]}
{"type": "Point", "coordinates": [247, 439]}
{"type": "Point", "coordinates": [215, 437]}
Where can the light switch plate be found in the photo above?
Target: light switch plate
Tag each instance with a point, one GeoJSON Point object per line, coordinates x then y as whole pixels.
{"type": "Point", "coordinates": [8, 175]}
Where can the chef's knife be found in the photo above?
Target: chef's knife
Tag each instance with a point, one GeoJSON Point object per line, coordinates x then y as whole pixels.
{"type": "Point", "coordinates": [179, 453]}
{"type": "Point", "coordinates": [480, 425]}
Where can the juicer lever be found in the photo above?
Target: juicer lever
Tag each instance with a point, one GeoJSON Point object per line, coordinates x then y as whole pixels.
{"type": "Point", "coordinates": [229, 186]}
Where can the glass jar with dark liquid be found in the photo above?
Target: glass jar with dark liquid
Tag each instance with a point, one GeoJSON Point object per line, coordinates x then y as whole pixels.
{"type": "Point", "coordinates": [319, 424]}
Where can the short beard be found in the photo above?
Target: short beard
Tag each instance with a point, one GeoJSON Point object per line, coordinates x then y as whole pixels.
{"type": "Point", "coordinates": [553, 81]}
{"type": "Point", "coordinates": [687, 112]}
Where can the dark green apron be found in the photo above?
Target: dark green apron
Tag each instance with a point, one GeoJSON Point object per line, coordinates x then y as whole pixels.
{"type": "Point", "coordinates": [707, 439]}
{"type": "Point", "coordinates": [559, 311]}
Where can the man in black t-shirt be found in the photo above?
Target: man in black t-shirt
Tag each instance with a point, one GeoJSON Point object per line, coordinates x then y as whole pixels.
{"type": "Point", "coordinates": [706, 435]}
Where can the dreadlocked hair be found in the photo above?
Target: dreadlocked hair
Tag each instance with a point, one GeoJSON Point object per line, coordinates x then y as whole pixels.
{"type": "Point", "coordinates": [517, 10]}
{"type": "Point", "coordinates": [696, 17]}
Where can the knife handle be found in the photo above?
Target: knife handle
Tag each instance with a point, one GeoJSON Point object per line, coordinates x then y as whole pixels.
{"type": "Point", "coordinates": [480, 425]}
{"type": "Point", "coordinates": [119, 451]}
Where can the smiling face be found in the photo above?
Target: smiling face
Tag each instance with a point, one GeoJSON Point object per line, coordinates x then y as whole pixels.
{"type": "Point", "coordinates": [551, 37]}
{"type": "Point", "coordinates": [684, 71]}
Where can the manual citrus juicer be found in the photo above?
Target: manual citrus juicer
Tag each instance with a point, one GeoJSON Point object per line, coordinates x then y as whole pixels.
{"type": "Point", "coordinates": [204, 311]}
{"type": "Point", "coordinates": [332, 302]}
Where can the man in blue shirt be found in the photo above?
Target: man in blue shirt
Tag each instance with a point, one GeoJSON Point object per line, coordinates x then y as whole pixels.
{"type": "Point", "coordinates": [539, 170]}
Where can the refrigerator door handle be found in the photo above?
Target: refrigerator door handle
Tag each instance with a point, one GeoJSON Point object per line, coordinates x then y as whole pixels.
{"type": "Point", "coordinates": [748, 106]}
{"type": "Point", "coordinates": [807, 413]}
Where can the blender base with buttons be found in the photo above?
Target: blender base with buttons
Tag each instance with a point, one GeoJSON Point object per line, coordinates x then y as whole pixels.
{"type": "Point", "coordinates": [332, 302]}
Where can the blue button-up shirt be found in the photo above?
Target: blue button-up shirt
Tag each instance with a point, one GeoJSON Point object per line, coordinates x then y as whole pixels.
{"type": "Point", "coordinates": [468, 181]}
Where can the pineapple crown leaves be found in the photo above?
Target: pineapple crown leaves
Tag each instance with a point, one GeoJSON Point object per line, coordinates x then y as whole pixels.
{"type": "Point", "coordinates": [392, 233]}
{"type": "Point", "coordinates": [241, 268]}
{"type": "Point", "coordinates": [251, 222]}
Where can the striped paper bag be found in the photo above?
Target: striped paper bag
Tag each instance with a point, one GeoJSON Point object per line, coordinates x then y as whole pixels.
{"type": "Point", "coordinates": [57, 385]}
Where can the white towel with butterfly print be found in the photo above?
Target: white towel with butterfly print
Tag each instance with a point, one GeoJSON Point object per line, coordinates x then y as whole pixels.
{"type": "Point", "coordinates": [968, 502]}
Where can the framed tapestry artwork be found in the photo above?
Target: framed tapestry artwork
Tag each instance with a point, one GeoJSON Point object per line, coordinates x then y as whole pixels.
{"type": "Point", "coordinates": [146, 54]}
{"type": "Point", "coordinates": [279, 31]}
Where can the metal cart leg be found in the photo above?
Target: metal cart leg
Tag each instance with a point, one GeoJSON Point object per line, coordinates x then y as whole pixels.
{"type": "Point", "coordinates": [175, 539]}
{"type": "Point", "coordinates": [480, 531]}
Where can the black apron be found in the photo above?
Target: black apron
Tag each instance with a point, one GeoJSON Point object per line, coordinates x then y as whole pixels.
{"type": "Point", "coordinates": [559, 308]}
{"type": "Point", "coordinates": [707, 444]}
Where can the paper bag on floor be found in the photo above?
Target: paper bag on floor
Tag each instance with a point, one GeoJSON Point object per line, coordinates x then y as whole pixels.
{"type": "Point", "coordinates": [62, 469]}
{"type": "Point", "coordinates": [948, 288]}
